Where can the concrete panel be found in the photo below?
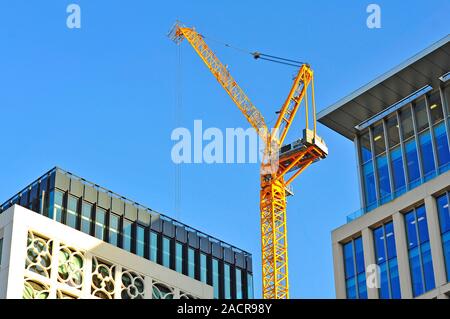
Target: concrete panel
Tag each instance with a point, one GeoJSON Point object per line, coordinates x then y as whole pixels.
{"type": "Point", "coordinates": [90, 194]}
{"type": "Point", "coordinates": [217, 250]}
{"type": "Point", "coordinates": [205, 245]}
{"type": "Point", "coordinates": [156, 223]}
{"type": "Point", "coordinates": [193, 239]}
{"type": "Point", "coordinates": [228, 255]}
{"type": "Point", "coordinates": [62, 181]}
{"type": "Point", "coordinates": [131, 212]}
{"type": "Point", "coordinates": [143, 216]}
{"type": "Point", "coordinates": [181, 234]}
{"type": "Point", "coordinates": [168, 229]}
{"type": "Point", "coordinates": [117, 206]}
{"type": "Point", "coordinates": [104, 200]}
{"type": "Point", "coordinates": [76, 187]}
{"type": "Point", "coordinates": [402, 255]}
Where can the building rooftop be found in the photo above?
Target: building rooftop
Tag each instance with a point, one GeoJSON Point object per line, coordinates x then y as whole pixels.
{"type": "Point", "coordinates": [404, 80]}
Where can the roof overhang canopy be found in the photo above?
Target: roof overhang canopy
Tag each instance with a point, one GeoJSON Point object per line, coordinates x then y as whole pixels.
{"type": "Point", "coordinates": [425, 68]}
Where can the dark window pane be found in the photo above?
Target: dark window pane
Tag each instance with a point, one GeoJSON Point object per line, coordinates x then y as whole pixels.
{"type": "Point", "coordinates": [366, 152]}
{"type": "Point", "coordinates": [114, 221]}
{"type": "Point", "coordinates": [406, 122]}
{"type": "Point", "coordinates": [100, 220]}
{"type": "Point", "coordinates": [71, 218]}
{"type": "Point", "coordinates": [86, 213]}
{"type": "Point", "coordinates": [440, 135]}
{"type": "Point", "coordinates": [392, 131]}
{"type": "Point", "coordinates": [435, 104]}
{"type": "Point", "coordinates": [383, 178]}
{"type": "Point", "coordinates": [412, 161]}
{"type": "Point", "coordinates": [369, 184]}
{"type": "Point", "coordinates": [421, 115]}
{"type": "Point", "coordinates": [126, 235]}
{"type": "Point", "coordinates": [179, 257]}
{"type": "Point", "coordinates": [140, 240]}
{"type": "Point", "coordinates": [191, 263]}
{"type": "Point", "coordinates": [166, 252]}
{"type": "Point", "coordinates": [378, 139]}
{"type": "Point", "coordinates": [397, 169]}
{"type": "Point", "coordinates": [427, 154]}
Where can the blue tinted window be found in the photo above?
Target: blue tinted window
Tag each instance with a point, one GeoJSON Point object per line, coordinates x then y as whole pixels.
{"type": "Point", "coordinates": [238, 283]}
{"type": "Point", "coordinates": [166, 252]}
{"type": "Point", "coordinates": [215, 277]}
{"type": "Point", "coordinates": [140, 240]}
{"type": "Point", "coordinates": [440, 135]}
{"type": "Point", "coordinates": [250, 286]}
{"type": "Point", "coordinates": [420, 261]}
{"type": "Point", "coordinates": [179, 257]}
{"type": "Point", "coordinates": [387, 261]}
{"type": "Point", "coordinates": [191, 263]}
{"type": "Point", "coordinates": [114, 221]}
{"type": "Point", "coordinates": [444, 221]}
{"type": "Point", "coordinates": [427, 154]}
{"type": "Point", "coordinates": [100, 219]}
{"type": "Point", "coordinates": [71, 217]}
{"type": "Point", "coordinates": [126, 235]}
{"type": "Point", "coordinates": [397, 169]}
{"type": "Point", "coordinates": [203, 268]}
{"type": "Point", "coordinates": [369, 184]}
{"type": "Point", "coordinates": [412, 161]}
{"type": "Point", "coordinates": [354, 260]}
{"type": "Point", "coordinates": [383, 177]}
{"type": "Point", "coordinates": [366, 153]}
{"type": "Point", "coordinates": [86, 211]}
{"type": "Point", "coordinates": [227, 281]}
{"type": "Point", "coordinates": [154, 247]}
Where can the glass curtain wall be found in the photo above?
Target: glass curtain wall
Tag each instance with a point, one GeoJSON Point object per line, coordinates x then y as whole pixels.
{"type": "Point", "coordinates": [355, 275]}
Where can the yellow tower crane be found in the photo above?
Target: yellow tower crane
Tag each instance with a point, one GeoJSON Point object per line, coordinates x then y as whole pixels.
{"type": "Point", "coordinates": [281, 163]}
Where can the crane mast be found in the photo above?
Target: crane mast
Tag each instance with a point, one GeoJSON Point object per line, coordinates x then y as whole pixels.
{"type": "Point", "coordinates": [290, 159]}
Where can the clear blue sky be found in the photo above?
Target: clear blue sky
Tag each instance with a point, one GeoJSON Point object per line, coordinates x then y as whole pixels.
{"type": "Point", "coordinates": [100, 103]}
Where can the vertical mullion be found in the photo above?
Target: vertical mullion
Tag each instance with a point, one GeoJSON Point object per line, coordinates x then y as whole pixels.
{"type": "Point", "coordinates": [388, 270]}
{"type": "Point", "coordinates": [362, 198]}
{"type": "Point", "coordinates": [419, 246]}
{"type": "Point", "coordinates": [355, 267]}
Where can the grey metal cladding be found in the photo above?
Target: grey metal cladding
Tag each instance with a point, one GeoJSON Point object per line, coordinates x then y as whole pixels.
{"type": "Point", "coordinates": [168, 229]}
{"type": "Point", "coordinates": [156, 223]}
{"type": "Point", "coordinates": [239, 259]}
{"type": "Point", "coordinates": [205, 245]}
{"type": "Point", "coordinates": [90, 194]}
{"type": "Point", "coordinates": [181, 234]}
{"type": "Point", "coordinates": [76, 187]}
{"type": "Point", "coordinates": [228, 255]}
{"type": "Point", "coordinates": [193, 239]}
{"type": "Point", "coordinates": [117, 206]}
{"type": "Point", "coordinates": [104, 200]}
{"type": "Point", "coordinates": [217, 250]}
{"type": "Point", "coordinates": [248, 263]}
{"type": "Point", "coordinates": [131, 212]}
{"type": "Point", "coordinates": [62, 181]}
{"type": "Point", "coordinates": [143, 216]}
